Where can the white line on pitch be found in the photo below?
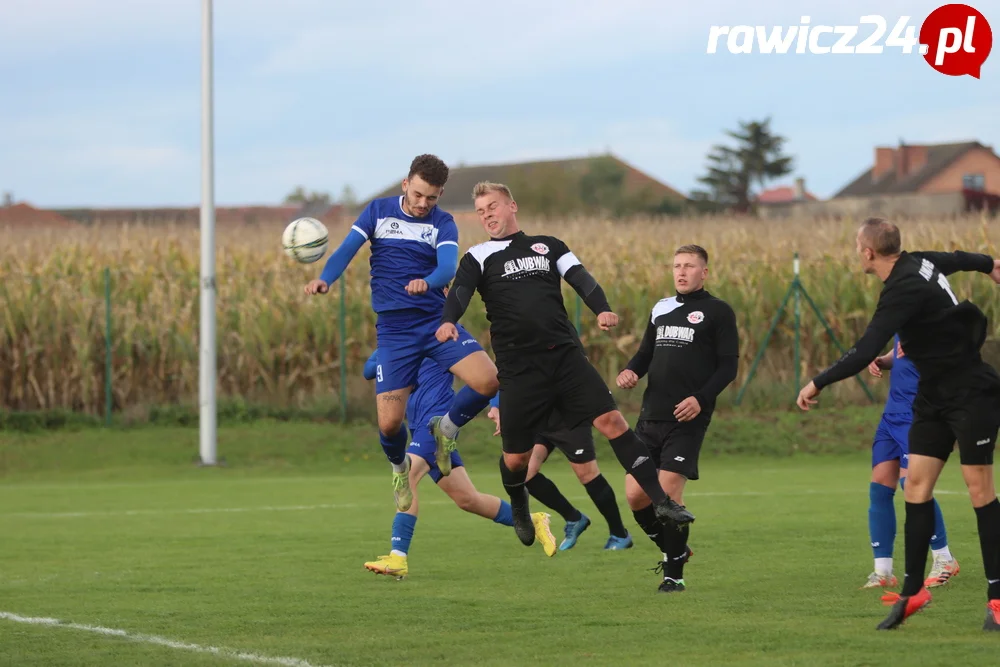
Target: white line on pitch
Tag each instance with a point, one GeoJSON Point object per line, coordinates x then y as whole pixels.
{"type": "Point", "coordinates": [339, 506]}
{"type": "Point", "coordinates": [159, 641]}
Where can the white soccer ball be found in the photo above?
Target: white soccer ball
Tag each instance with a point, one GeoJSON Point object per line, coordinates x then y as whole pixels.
{"type": "Point", "coordinates": [305, 240]}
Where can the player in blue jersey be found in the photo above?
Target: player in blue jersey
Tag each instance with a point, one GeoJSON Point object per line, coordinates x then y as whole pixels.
{"type": "Point", "coordinates": [414, 255]}
{"type": "Point", "coordinates": [431, 396]}
{"type": "Point", "coordinates": [890, 451]}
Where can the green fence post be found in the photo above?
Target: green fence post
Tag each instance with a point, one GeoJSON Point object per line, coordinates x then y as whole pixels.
{"type": "Point", "coordinates": [798, 326]}
{"type": "Point", "coordinates": [107, 346]}
{"type": "Point", "coordinates": [343, 350]}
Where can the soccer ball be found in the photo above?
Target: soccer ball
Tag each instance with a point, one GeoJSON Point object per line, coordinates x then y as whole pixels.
{"type": "Point", "coordinates": [305, 240]}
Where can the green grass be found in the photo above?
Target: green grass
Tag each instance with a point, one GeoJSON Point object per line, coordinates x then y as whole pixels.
{"type": "Point", "coordinates": [118, 528]}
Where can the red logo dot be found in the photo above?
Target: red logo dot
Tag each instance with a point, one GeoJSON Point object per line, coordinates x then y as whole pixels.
{"type": "Point", "coordinates": [956, 40]}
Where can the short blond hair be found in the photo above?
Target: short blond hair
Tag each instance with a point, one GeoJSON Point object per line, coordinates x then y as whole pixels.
{"type": "Point", "coordinates": [486, 187]}
{"type": "Point", "coordinates": [882, 236]}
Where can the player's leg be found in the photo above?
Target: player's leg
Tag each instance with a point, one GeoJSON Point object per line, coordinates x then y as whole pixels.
{"type": "Point", "coordinates": [466, 360]}
{"type": "Point", "coordinates": [678, 464]}
{"type": "Point", "coordinates": [584, 397]}
{"type": "Point", "coordinates": [944, 566]}
{"type": "Point", "coordinates": [653, 434]}
{"type": "Point", "coordinates": [577, 445]}
{"type": "Point", "coordinates": [545, 491]}
{"type": "Point", "coordinates": [460, 488]}
{"type": "Point", "coordinates": [404, 524]}
{"type": "Point", "coordinates": [976, 424]}
{"type": "Point", "coordinates": [930, 444]}
{"type": "Point", "coordinates": [396, 373]}
{"type": "Point", "coordinates": [525, 404]}
{"type": "Point", "coordinates": [886, 455]}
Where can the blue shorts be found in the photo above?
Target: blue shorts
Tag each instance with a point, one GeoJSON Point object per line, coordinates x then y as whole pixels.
{"type": "Point", "coordinates": [422, 445]}
{"type": "Point", "coordinates": [892, 439]}
{"type": "Point", "coordinates": [403, 345]}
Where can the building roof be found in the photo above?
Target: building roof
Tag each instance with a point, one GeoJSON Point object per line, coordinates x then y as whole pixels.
{"type": "Point", "coordinates": [781, 194]}
{"type": "Point", "coordinates": [24, 216]}
{"type": "Point", "coordinates": [939, 156]}
{"type": "Point", "coordinates": [461, 179]}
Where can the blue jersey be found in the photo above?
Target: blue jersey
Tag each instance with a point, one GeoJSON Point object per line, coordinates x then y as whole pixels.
{"type": "Point", "coordinates": [432, 395]}
{"type": "Point", "coordinates": [404, 248]}
{"type": "Point", "coordinates": [903, 379]}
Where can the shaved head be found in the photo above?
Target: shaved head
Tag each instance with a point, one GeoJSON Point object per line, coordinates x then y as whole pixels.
{"type": "Point", "coordinates": [881, 236]}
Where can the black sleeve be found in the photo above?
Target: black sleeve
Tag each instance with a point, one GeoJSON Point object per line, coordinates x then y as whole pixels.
{"type": "Point", "coordinates": [639, 363]}
{"type": "Point", "coordinates": [895, 306]}
{"type": "Point", "coordinates": [588, 288]}
{"type": "Point", "coordinates": [460, 295]}
{"type": "Point", "coordinates": [727, 354]}
{"type": "Point", "coordinates": [577, 276]}
{"type": "Point", "coordinates": [953, 262]}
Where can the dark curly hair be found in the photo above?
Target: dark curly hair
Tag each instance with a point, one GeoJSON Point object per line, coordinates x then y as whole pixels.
{"type": "Point", "coordinates": [430, 168]}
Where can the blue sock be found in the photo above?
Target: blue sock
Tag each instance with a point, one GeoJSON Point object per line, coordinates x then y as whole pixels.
{"type": "Point", "coordinates": [402, 532]}
{"type": "Point", "coordinates": [939, 540]}
{"type": "Point", "coordinates": [881, 519]}
{"type": "Point", "coordinates": [395, 446]}
{"type": "Point", "coordinates": [467, 404]}
{"type": "Point", "coordinates": [505, 516]}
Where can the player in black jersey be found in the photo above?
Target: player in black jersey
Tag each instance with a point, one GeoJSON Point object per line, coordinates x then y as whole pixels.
{"type": "Point", "coordinates": [690, 352]}
{"type": "Point", "coordinates": [958, 396]}
{"type": "Point", "coordinates": [541, 364]}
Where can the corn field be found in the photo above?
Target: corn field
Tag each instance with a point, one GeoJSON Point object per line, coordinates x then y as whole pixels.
{"type": "Point", "coordinates": [277, 346]}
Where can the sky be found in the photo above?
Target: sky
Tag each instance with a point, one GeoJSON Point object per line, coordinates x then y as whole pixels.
{"type": "Point", "coordinates": [101, 99]}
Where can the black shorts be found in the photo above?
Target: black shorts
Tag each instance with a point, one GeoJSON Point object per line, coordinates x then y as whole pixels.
{"type": "Point", "coordinates": [538, 387]}
{"type": "Point", "coordinates": [674, 446]}
{"type": "Point", "coordinates": [576, 444]}
{"type": "Point", "coordinates": [968, 414]}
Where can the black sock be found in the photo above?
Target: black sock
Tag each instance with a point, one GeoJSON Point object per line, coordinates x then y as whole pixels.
{"type": "Point", "coordinates": [918, 530]}
{"type": "Point", "coordinates": [513, 484]}
{"type": "Point", "coordinates": [988, 518]}
{"type": "Point", "coordinates": [677, 549]}
{"type": "Point", "coordinates": [655, 531]}
{"type": "Point", "coordinates": [604, 498]}
{"type": "Point", "coordinates": [634, 457]}
{"type": "Point", "coordinates": [547, 493]}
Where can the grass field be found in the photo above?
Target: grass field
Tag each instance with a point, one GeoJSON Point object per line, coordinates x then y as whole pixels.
{"type": "Point", "coordinates": [279, 347]}
{"type": "Point", "coordinates": [117, 530]}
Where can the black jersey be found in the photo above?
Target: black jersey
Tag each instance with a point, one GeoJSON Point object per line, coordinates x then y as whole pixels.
{"type": "Point", "coordinates": [520, 281]}
{"type": "Point", "coordinates": [941, 336]}
{"type": "Point", "coordinates": [690, 348]}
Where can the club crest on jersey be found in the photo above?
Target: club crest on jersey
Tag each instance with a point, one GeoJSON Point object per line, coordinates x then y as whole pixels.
{"type": "Point", "coordinates": [696, 317]}
{"type": "Point", "coordinates": [540, 248]}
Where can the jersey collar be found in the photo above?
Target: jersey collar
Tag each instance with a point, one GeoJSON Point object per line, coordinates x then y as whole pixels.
{"type": "Point", "coordinates": [693, 296]}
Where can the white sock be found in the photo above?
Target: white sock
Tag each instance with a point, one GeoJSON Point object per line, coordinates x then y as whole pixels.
{"type": "Point", "coordinates": [399, 467]}
{"type": "Point", "coordinates": [883, 566]}
{"type": "Point", "coordinates": [665, 557]}
{"type": "Point", "coordinates": [944, 553]}
{"type": "Point", "coordinates": [397, 552]}
{"type": "Point", "coordinates": [448, 428]}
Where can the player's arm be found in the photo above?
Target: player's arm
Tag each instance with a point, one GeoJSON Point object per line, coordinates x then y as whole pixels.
{"type": "Point", "coordinates": [895, 306]}
{"type": "Point", "coordinates": [447, 256]}
{"type": "Point", "coordinates": [639, 363]}
{"type": "Point", "coordinates": [360, 232]}
{"type": "Point", "coordinates": [579, 278]}
{"type": "Point", "coordinates": [727, 354]}
{"type": "Point", "coordinates": [459, 297]}
{"type": "Point", "coordinates": [371, 366]}
{"type": "Point", "coordinates": [953, 262]}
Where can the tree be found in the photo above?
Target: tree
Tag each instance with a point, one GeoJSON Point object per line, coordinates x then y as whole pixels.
{"type": "Point", "coordinates": [734, 171]}
{"type": "Point", "coordinates": [300, 196]}
{"type": "Point", "coordinates": [348, 199]}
